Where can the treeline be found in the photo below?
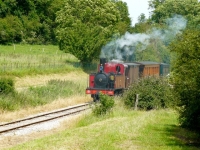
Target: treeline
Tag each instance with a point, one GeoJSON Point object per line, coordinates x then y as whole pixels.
{"type": "Point", "coordinates": [33, 22]}
{"type": "Point", "coordinates": [28, 21]}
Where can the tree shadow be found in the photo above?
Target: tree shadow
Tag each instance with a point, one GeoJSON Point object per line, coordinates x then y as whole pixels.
{"type": "Point", "coordinates": [178, 136]}
{"type": "Point", "coordinates": [86, 67]}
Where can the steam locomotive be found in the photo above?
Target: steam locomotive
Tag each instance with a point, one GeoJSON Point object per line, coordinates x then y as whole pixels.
{"type": "Point", "coordinates": [113, 77]}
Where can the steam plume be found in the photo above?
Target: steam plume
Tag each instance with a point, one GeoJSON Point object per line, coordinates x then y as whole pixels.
{"type": "Point", "coordinates": [128, 43]}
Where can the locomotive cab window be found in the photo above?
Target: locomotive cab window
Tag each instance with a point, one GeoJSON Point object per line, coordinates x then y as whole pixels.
{"type": "Point", "coordinates": [118, 69]}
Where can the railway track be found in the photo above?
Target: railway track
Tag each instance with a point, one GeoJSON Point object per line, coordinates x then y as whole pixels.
{"type": "Point", "coordinates": [41, 118]}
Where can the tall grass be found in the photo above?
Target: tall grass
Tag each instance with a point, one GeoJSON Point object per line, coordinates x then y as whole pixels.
{"type": "Point", "coordinates": [35, 96]}
{"type": "Point", "coordinates": [21, 60]}
{"type": "Point", "coordinates": [34, 54]}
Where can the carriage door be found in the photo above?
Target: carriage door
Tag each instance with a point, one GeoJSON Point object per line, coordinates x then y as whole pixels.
{"type": "Point", "coordinates": [127, 76]}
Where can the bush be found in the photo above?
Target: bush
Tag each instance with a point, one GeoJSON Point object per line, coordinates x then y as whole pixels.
{"type": "Point", "coordinates": [154, 93]}
{"type": "Point", "coordinates": [104, 106]}
{"type": "Point", "coordinates": [186, 76]}
{"type": "Point", "coordinates": [6, 86]}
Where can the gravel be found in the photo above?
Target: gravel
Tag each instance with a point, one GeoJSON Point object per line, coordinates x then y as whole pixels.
{"type": "Point", "coordinates": [53, 124]}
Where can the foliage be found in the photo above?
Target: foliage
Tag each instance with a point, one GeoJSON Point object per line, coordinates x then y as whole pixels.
{"type": "Point", "coordinates": [11, 29]}
{"type": "Point", "coordinates": [154, 93]}
{"type": "Point", "coordinates": [142, 18]}
{"type": "Point", "coordinates": [85, 26]}
{"type": "Point", "coordinates": [125, 20]}
{"type": "Point", "coordinates": [6, 85]}
{"type": "Point", "coordinates": [54, 89]}
{"type": "Point", "coordinates": [143, 26]}
{"type": "Point", "coordinates": [153, 4]}
{"type": "Point", "coordinates": [186, 76]}
{"type": "Point", "coordinates": [28, 21]}
{"type": "Point", "coordinates": [104, 106]}
{"type": "Point", "coordinates": [167, 8]}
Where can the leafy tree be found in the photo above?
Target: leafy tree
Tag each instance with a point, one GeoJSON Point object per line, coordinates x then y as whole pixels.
{"type": "Point", "coordinates": [186, 76]}
{"type": "Point", "coordinates": [143, 25]}
{"type": "Point", "coordinates": [167, 8]}
{"type": "Point", "coordinates": [10, 30]}
{"type": "Point", "coordinates": [153, 4]}
{"type": "Point", "coordinates": [155, 51]}
{"type": "Point", "coordinates": [36, 20]}
{"type": "Point", "coordinates": [125, 21]}
{"type": "Point", "coordinates": [85, 26]}
{"type": "Point", "coordinates": [142, 18]}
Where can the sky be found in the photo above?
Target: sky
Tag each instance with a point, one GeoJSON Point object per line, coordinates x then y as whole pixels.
{"type": "Point", "coordinates": [136, 7]}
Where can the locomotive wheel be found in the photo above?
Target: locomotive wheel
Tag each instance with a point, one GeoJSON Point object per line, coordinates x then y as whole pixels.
{"type": "Point", "coordinates": [119, 93]}
{"type": "Point", "coordinates": [95, 97]}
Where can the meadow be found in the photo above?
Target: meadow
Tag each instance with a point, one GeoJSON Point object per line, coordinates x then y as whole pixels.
{"type": "Point", "coordinates": [21, 60]}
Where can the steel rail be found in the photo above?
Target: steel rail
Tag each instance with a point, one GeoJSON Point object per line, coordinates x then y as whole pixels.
{"type": "Point", "coordinates": [83, 107]}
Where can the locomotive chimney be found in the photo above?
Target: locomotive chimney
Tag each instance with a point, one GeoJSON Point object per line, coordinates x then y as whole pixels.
{"type": "Point", "coordinates": [103, 61]}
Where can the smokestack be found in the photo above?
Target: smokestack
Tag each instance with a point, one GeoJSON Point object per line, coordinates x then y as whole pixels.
{"type": "Point", "coordinates": [103, 61]}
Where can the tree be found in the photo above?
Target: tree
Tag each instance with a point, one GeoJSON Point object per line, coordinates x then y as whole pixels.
{"type": "Point", "coordinates": [125, 21]}
{"type": "Point", "coordinates": [168, 8]}
{"type": "Point", "coordinates": [142, 18]}
{"type": "Point", "coordinates": [186, 76]}
{"type": "Point", "coordinates": [153, 4]}
{"type": "Point", "coordinates": [84, 26]}
{"type": "Point", "coordinates": [29, 21]}
{"type": "Point", "coordinates": [10, 30]}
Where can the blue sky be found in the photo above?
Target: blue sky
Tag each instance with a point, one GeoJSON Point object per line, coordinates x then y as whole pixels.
{"type": "Point", "coordinates": [136, 7]}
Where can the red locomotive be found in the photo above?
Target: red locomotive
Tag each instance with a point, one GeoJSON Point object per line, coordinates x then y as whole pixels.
{"type": "Point", "coordinates": [114, 77]}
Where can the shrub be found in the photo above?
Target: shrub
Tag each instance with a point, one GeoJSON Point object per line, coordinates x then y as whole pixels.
{"type": "Point", "coordinates": [186, 76]}
{"type": "Point", "coordinates": [6, 86]}
{"type": "Point", "coordinates": [154, 93]}
{"type": "Point", "coordinates": [104, 106]}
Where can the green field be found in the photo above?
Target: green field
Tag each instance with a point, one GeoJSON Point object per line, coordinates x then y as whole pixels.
{"type": "Point", "coordinates": [20, 60]}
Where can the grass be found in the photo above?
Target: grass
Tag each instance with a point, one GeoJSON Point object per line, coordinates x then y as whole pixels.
{"type": "Point", "coordinates": [21, 60]}
{"type": "Point", "coordinates": [34, 54]}
{"type": "Point", "coordinates": [7, 116]}
{"type": "Point", "coordinates": [41, 95]}
{"type": "Point", "coordinates": [123, 129]}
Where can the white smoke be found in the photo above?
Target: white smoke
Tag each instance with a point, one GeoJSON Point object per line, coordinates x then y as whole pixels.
{"type": "Point", "coordinates": [127, 44]}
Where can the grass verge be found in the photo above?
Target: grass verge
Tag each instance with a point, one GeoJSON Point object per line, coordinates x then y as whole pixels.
{"type": "Point", "coordinates": [123, 129]}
